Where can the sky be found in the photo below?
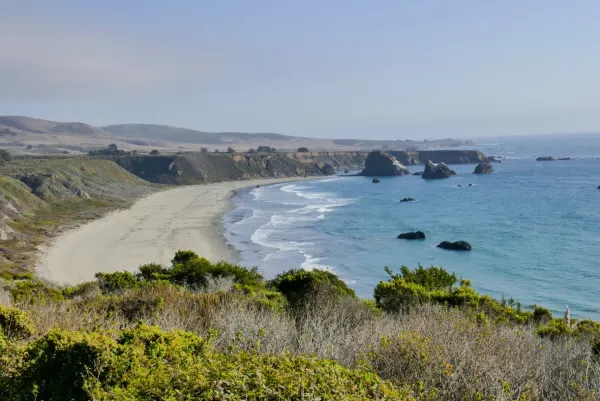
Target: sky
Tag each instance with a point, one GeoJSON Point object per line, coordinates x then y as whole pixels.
{"type": "Point", "coordinates": [380, 69]}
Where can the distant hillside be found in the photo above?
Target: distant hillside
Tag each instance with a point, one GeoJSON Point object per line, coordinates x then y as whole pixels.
{"type": "Point", "coordinates": [185, 135]}
{"type": "Point", "coordinates": [27, 135]}
{"type": "Point", "coordinates": [38, 126]}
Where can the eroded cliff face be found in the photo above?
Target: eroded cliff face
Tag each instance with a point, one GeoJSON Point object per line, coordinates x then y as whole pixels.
{"type": "Point", "coordinates": [198, 168]}
{"type": "Point", "coordinates": [440, 156]}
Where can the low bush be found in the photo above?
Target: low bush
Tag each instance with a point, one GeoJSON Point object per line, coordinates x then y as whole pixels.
{"type": "Point", "coordinates": [27, 291]}
{"type": "Point", "coordinates": [299, 285]}
{"type": "Point", "coordinates": [148, 363]}
{"type": "Point", "coordinates": [118, 281]}
{"type": "Point", "coordinates": [15, 324]}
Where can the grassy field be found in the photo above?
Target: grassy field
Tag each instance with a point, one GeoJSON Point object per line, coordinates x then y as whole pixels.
{"type": "Point", "coordinates": [42, 197]}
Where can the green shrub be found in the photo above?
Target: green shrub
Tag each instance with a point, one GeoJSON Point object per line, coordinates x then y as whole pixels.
{"type": "Point", "coordinates": [184, 257]}
{"type": "Point", "coordinates": [151, 271]}
{"type": "Point", "coordinates": [299, 285]}
{"type": "Point", "coordinates": [15, 324]}
{"type": "Point", "coordinates": [541, 315]}
{"type": "Point", "coordinates": [409, 288]}
{"type": "Point", "coordinates": [83, 289]}
{"type": "Point", "coordinates": [145, 363]}
{"type": "Point", "coordinates": [32, 292]}
{"type": "Point", "coordinates": [191, 270]}
{"type": "Point", "coordinates": [118, 281]}
{"type": "Point", "coordinates": [554, 328]}
{"type": "Point", "coordinates": [430, 278]}
{"type": "Point", "coordinates": [57, 366]}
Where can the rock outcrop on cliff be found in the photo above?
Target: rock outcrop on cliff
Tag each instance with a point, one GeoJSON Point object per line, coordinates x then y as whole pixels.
{"type": "Point", "coordinates": [483, 168]}
{"type": "Point", "coordinates": [435, 171]}
{"type": "Point", "coordinates": [440, 156]}
{"type": "Point", "coordinates": [199, 168]}
{"type": "Point", "coordinates": [383, 164]}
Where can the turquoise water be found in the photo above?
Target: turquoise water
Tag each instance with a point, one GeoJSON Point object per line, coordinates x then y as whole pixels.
{"type": "Point", "coordinates": [534, 226]}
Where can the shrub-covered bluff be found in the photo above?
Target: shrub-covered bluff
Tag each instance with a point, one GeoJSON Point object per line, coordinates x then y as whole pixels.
{"type": "Point", "coordinates": [195, 330]}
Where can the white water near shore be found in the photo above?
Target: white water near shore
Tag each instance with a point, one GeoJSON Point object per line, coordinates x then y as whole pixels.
{"type": "Point", "coordinates": [151, 231]}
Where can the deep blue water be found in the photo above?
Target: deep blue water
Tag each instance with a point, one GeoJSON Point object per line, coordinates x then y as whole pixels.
{"type": "Point", "coordinates": [534, 226]}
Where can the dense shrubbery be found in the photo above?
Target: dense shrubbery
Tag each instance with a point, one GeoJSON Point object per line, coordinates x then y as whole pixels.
{"type": "Point", "coordinates": [146, 363]}
{"type": "Point", "coordinates": [299, 285]}
{"type": "Point", "coordinates": [302, 335]}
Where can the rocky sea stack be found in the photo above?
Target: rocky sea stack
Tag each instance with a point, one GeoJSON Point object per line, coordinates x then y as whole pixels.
{"type": "Point", "coordinates": [383, 164]}
{"type": "Point", "coordinates": [455, 246]}
{"type": "Point", "coordinates": [436, 171]}
{"type": "Point", "coordinates": [412, 235]}
{"type": "Point", "coordinates": [408, 200]}
{"type": "Point", "coordinates": [483, 168]}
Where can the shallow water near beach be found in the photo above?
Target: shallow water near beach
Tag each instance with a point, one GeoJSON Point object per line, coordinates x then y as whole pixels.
{"type": "Point", "coordinates": [534, 226]}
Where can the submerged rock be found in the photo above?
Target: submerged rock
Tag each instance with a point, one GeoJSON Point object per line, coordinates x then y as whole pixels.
{"type": "Point", "coordinates": [564, 158]}
{"type": "Point", "coordinates": [375, 180]}
{"type": "Point", "coordinates": [545, 159]}
{"type": "Point", "coordinates": [436, 171]}
{"type": "Point", "coordinates": [383, 164]}
{"type": "Point", "coordinates": [408, 200]}
{"type": "Point", "coordinates": [455, 246]}
{"type": "Point", "coordinates": [483, 168]}
{"type": "Point", "coordinates": [418, 173]}
{"type": "Point", "coordinates": [412, 235]}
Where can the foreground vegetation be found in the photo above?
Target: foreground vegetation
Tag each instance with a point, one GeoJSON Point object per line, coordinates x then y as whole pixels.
{"type": "Point", "coordinates": [201, 331]}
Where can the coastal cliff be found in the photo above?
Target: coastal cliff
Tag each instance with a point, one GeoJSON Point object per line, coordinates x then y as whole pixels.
{"type": "Point", "coordinates": [199, 168]}
{"type": "Point", "coordinates": [439, 156]}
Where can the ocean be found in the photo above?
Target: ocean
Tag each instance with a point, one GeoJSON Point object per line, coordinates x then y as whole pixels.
{"type": "Point", "coordinates": [534, 226]}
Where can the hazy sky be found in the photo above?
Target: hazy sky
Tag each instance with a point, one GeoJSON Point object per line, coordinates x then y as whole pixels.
{"type": "Point", "coordinates": [328, 68]}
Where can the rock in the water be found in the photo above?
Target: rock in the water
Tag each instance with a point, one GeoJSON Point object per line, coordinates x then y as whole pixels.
{"type": "Point", "coordinates": [375, 180]}
{"type": "Point", "coordinates": [418, 173]}
{"type": "Point", "coordinates": [545, 159]}
{"type": "Point", "coordinates": [435, 171]}
{"type": "Point", "coordinates": [328, 169]}
{"type": "Point", "coordinates": [564, 158]}
{"type": "Point", "coordinates": [483, 168]}
{"type": "Point", "coordinates": [383, 164]}
{"type": "Point", "coordinates": [455, 246]}
{"type": "Point", "coordinates": [412, 235]}
{"type": "Point", "coordinates": [470, 185]}
{"type": "Point", "coordinates": [408, 200]}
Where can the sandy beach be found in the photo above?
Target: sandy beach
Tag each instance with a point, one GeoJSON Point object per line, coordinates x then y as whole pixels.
{"type": "Point", "coordinates": [151, 231]}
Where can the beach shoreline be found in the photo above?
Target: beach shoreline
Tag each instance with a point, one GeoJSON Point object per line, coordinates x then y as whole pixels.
{"type": "Point", "coordinates": [150, 231]}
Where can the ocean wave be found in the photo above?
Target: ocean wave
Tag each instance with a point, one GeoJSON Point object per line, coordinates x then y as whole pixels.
{"type": "Point", "coordinates": [312, 263]}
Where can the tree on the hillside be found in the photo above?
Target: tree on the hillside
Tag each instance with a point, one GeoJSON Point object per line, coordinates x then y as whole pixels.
{"type": "Point", "coordinates": [154, 152]}
{"type": "Point", "coordinates": [112, 148]}
{"type": "Point", "coordinates": [303, 149]}
{"type": "Point", "coordinates": [251, 150]}
{"type": "Point", "coordinates": [5, 156]}
{"type": "Point", "coordinates": [262, 149]}
{"type": "Point", "coordinates": [230, 150]}
{"type": "Point", "coordinates": [203, 150]}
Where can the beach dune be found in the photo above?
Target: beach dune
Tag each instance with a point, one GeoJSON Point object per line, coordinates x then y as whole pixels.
{"type": "Point", "coordinates": [151, 231]}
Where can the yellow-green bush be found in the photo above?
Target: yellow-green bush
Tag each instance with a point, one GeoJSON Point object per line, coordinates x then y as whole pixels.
{"type": "Point", "coordinates": [145, 363]}
{"type": "Point", "coordinates": [27, 291]}
{"type": "Point", "coordinates": [15, 324]}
